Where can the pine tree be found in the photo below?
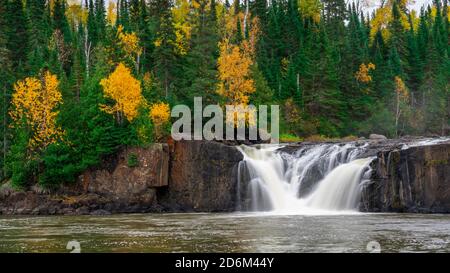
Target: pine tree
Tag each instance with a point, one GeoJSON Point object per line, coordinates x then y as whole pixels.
{"type": "Point", "coordinates": [92, 28]}
{"type": "Point", "coordinates": [200, 73]}
{"type": "Point", "coordinates": [335, 14]}
{"type": "Point", "coordinates": [60, 20]}
{"type": "Point", "coordinates": [124, 14]}
{"type": "Point", "coordinates": [415, 65]}
{"type": "Point", "coordinates": [100, 16]}
{"type": "Point", "coordinates": [17, 43]}
{"type": "Point", "coordinates": [397, 41]}
{"type": "Point", "coordinates": [135, 12]}
{"type": "Point", "coordinates": [4, 86]}
{"type": "Point", "coordinates": [165, 60]}
{"type": "Point", "coordinates": [39, 34]}
{"type": "Point", "coordinates": [259, 8]}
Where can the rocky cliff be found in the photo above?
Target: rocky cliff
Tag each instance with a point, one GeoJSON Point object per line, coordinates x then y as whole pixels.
{"type": "Point", "coordinates": [202, 177]}
{"type": "Point", "coordinates": [416, 179]}
{"type": "Point", "coordinates": [187, 176]}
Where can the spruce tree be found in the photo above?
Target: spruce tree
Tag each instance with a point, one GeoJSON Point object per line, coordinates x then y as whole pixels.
{"type": "Point", "coordinates": [92, 29]}
{"type": "Point", "coordinates": [60, 21]}
{"type": "Point", "coordinates": [17, 42]}
{"type": "Point", "coordinates": [199, 72]}
{"type": "Point", "coordinates": [100, 16]}
{"type": "Point", "coordinates": [39, 34]}
{"type": "Point", "coordinates": [4, 87]}
{"type": "Point", "coordinates": [165, 59]}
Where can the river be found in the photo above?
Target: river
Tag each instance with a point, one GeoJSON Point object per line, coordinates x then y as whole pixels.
{"type": "Point", "coordinates": [235, 232]}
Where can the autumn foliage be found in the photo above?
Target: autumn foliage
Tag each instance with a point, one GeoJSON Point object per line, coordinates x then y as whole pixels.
{"type": "Point", "coordinates": [160, 113]}
{"type": "Point", "coordinates": [160, 116]}
{"type": "Point", "coordinates": [35, 102]}
{"type": "Point", "coordinates": [129, 43]}
{"type": "Point", "coordinates": [234, 74]}
{"type": "Point", "coordinates": [363, 74]}
{"type": "Point", "coordinates": [125, 90]}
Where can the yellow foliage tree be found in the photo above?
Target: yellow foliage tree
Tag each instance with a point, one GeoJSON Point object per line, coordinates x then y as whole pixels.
{"type": "Point", "coordinates": [234, 65]}
{"type": "Point", "coordinates": [125, 90]}
{"type": "Point", "coordinates": [160, 116]}
{"type": "Point", "coordinates": [235, 82]}
{"type": "Point", "coordinates": [383, 16]}
{"type": "Point", "coordinates": [76, 14]}
{"type": "Point", "coordinates": [34, 103]}
{"type": "Point", "coordinates": [111, 15]}
{"type": "Point", "coordinates": [311, 8]}
{"type": "Point", "coordinates": [182, 26]}
{"type": "Point", "coordinates": [129, 42]}
{"type": "Point", "coordinates": [160, 113]}
{"type": "Point", "coordinates": [362, 75]}
{"type": "Point", "coordinates": [234, 74]}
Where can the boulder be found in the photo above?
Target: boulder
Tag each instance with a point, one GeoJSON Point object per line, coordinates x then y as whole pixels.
{"type": "Point", "coordinates": [377, 137]}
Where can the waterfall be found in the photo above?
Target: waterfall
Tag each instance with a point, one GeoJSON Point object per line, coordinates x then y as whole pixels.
{"type": "Point", "coordinates": [314, 179]}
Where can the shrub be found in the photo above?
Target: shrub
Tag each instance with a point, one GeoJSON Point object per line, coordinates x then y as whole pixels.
{"type": "Point", "coordinates": [133, 160]}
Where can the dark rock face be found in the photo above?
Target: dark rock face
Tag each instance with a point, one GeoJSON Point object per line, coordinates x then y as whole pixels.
{"type": "Point", "coordinates": [410, 180]}
{"type": "Point", "coordinates": [131, 184]}
{"type": "Point", "coordinates": [203, 177]}
{"type": "Point", "coordinates": [192, 176]}
{"type": "Point", "coordinates": [117, 187]}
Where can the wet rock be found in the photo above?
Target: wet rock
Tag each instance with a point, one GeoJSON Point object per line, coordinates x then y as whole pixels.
{"type": "Point", "coordinates": [416, 179]}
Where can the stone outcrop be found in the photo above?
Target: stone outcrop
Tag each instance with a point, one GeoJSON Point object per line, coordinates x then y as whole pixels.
{"type": "Point", "coordinates": [185, 176]}
{"type": "Point", "coordinates": [125, 183]}
{"type": "Point", "coordinates": [134, 176]}
{"type": "Point", "coordinates": [203, 177]}
{"type": "Point", "coordinates": [416, 179]}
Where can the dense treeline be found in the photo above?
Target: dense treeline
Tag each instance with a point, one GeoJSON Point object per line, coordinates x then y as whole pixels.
{"type": "Point", "coordinates": [80, 79]}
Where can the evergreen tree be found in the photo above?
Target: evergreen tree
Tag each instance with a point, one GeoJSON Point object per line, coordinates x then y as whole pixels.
{"type": "Point", "coordinates": [100, 16]}
{"type": "Point", "coordinates": [60, 21]}
{"type": "Point", "coordinates": [39, 34]}
{"type": "Point", "coordinates": [4, 86]}
{"type": "Point", "coordinates": [92, 28]}
{"type": "Point", "coordinates": [124, 14]}
{"type": "Point", "coordinates": [165, 60]}
{"type": "Point", "coordinates": [17, 43]}
{"type": "Point", "coordinates": [200, 73]}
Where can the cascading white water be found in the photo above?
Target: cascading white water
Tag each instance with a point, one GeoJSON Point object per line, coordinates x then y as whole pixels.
{"type": "Point", "coordinates": [340, 190]}
{"type": "Point", "coordinates": [316, 178]}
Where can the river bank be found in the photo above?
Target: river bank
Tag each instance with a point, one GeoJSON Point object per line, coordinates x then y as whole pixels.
{"type": "Point", "coordinates": [409, 175]}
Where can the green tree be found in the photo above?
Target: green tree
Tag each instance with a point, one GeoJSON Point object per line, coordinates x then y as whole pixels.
{"type": "Point", "coordinates": [200, 69]}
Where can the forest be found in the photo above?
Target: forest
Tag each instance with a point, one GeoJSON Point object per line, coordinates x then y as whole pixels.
{"type": "Point", "coordinates": [81, 79]}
